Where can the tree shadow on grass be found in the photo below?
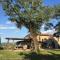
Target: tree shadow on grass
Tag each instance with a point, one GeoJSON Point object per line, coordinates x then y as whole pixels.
{"type": "Point", "coordinates": [35, 56]}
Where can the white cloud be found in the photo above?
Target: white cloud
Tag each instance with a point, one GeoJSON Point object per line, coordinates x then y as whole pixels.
{"type": "Point", "coordinates": [7, 27]}
{"type": "Point", "coordinates": [49, 31]}
{"type": "Point", "coordinates": [8, 22]}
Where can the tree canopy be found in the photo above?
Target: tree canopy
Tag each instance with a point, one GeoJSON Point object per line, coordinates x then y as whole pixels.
{"type": "Point", "coordinates": [26, 12]}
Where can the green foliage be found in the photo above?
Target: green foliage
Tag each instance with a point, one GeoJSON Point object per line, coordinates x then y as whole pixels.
{"type": "Point", "coordinates": [48, 26]}
{"type": "Point", "coordinates": [57, 27]}
{"type": "Point", "coordinates": [0, 40]}
{"type": "Point", "coordinates": [57, 11]}
{"type": "Point", "coordinates": [34, 13]}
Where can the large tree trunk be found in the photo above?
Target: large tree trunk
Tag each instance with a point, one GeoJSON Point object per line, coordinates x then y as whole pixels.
{"type": "Point", "coordinates": [35, 43]}
{"type": "Point", "coordinates": [34, 38]}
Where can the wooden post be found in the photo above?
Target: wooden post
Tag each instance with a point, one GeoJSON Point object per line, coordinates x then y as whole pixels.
{"type": "Point", "coordinates": [7, 44]}
{"type": "Point", "coordinates": [13, 41]}
{"type": "Point", "coordinates": [8, 41]}
{"type": "Point", "coordinates": [13, 45]}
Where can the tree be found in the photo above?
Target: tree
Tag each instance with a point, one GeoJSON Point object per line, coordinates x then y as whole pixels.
{"type": "Point", "coordinates": [57, 16]}
{"type": "Point", "coordinates": [57, 12]}
{"type": "Point", "coordinates": [48, 26]}
{"type": "Point", "coordinates": [29, 13]}
{"type": "Point", "coordinates": [0, 41]}
{"type": "Point", "coordinates": [57, 27]}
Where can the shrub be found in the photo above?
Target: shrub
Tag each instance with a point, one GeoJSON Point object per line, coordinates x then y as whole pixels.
{"type": "Point", "coordinates": [1, 48]}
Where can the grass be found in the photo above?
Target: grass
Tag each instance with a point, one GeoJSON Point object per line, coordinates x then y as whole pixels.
{"type": "Point", "coordinates": [18, 55]}
{"type": "Point", "coordinates": [9, 55]}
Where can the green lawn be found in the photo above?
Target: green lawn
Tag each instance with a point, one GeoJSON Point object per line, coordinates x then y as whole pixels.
{"type": "Point", "coordinates": [9, 55]}
{"type": "Point", "coordinates": [42, 55]}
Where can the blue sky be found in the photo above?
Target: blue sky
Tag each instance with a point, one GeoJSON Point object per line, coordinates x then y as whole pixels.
{"type": "Point", "coordinates": [8, 29]}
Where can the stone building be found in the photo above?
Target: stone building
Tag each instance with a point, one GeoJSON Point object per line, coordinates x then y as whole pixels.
{"type": "Point", "coordinates": [47, 40]}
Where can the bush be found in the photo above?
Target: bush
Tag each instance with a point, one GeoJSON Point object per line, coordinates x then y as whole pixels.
{"type": "Point", "coordinates": [1, 48]}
